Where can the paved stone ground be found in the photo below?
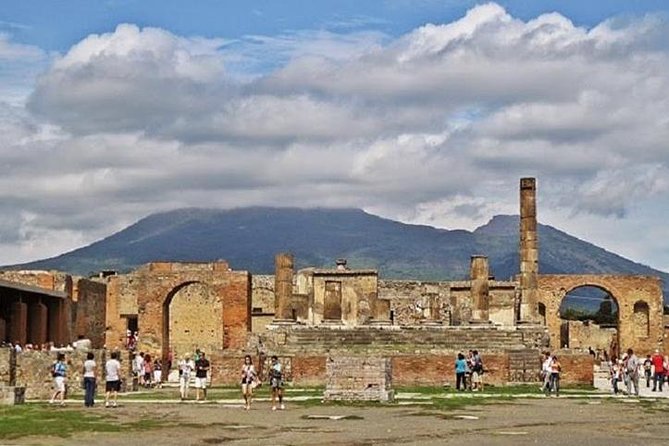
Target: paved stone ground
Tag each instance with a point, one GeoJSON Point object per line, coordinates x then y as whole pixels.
{"type": "Point", "coordinates": [520, 421]}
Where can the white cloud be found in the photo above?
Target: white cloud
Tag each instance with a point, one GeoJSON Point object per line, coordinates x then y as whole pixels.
{"type": "Point", "coordinates": [433, 127]}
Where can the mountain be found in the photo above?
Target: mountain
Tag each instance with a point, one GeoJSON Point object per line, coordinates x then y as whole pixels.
{"type": "Point", "coordinates": [248, 238]}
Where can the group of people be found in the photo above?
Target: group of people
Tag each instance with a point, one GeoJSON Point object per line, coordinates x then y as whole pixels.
{"type": "Point", "coordinates": [147, 372]}
{"type": "Point", "coordinates": [469, 371]}
{"type": "Point", "coordinates": [59, 372]}
{"type": "Point", "coordinates": [198, 368]}
{"type": "Point", "coordinates": [629, 370]}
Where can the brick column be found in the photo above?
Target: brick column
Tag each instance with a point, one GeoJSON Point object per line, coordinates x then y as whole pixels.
{"type": "Point", "coordinates": [18, 323]}
{"type": "Point", "coordinates": [529, 250]}
{"type": "Point", "coordinates": [55, 334]}
{"type": "Point", "coordinates": [479, 273]}
{"type": "Point", "coordinates": [283, 287]}
{"type": "Point", "coordinates": [37, 322]}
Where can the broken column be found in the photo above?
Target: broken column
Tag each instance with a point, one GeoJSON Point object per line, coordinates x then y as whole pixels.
{"type": "Point", "coordinates": [18, 323]}
{"type": "Point", "coordinates": [283, 287]}
{"type": "Point", "coordinates": [480, 296]}
{"type": "Point", "coordinates": [529, 251]}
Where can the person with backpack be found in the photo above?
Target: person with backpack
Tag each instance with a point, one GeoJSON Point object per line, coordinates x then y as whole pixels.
{"type": "Point", "coordinates": [59, 373]}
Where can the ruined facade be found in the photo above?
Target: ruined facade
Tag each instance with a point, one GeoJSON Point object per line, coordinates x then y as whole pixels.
{"type": "Point", "coordinates": [313, 315]}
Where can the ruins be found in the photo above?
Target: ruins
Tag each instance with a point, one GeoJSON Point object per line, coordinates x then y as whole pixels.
{"type": "Point", "coordinates": [313, 316]}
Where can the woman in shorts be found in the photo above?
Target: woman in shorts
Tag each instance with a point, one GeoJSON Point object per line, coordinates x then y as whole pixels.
{"type": "Point", "coordinates": [59, 371]}
{"type": "Point", "coordinates": [148, 371]}
{"type": "Point", "coordinates": [249, 380]}
{"type": "Point", "coordinates": [276, 383]}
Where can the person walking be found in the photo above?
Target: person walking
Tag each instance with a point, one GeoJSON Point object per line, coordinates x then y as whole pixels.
{"type": "Point", "coordinates": [461, 370]}
{"type": "Point", "coordinates": [546, 373]}
{"type": "Point", "coordinates": [59, 373]}
{"type": "Point", "coordinates": [112, 380]}
{"type": "Point", "coordinates": [186, 367]}
{"type": "Point", "coordinates": [647, 370]}
{"type": "Point", "coordinates": [658, 376]}
{"type": "Point", "coordinates": [477, 371]}
{"type": "Point", "coordinates": [276, 382]}
{"type": "Point", "coordinates": [556, 368]}
{"type": "Point", "coordinates": [632, 372]}
{"type": "Point", "coordinates": [201, 369]}
{"type": "Point", "coordinates": [249, 380]}
{"type": "Point", "coordinates": [90, 372]}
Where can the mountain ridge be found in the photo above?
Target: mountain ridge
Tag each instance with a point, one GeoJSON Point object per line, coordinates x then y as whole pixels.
{"type": "Point", "coordinates": [248, 238]}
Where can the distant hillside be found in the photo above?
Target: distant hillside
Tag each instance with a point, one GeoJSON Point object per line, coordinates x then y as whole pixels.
{"type": "Point", "coordinates": [249, 238]}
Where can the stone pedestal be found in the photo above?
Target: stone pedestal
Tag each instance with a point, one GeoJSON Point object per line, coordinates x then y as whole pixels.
{"type": "Point", "coordinates": [351, 378]}
{"type": "Point", "coordinates": [12, 395]}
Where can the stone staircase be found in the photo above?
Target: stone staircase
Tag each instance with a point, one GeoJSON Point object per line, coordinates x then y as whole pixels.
{"type": "Point", "coordinates": [406, 339]}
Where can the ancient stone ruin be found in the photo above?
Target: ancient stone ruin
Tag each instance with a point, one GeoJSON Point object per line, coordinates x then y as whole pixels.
{"type": "Point", "coordinates": [309, 316]}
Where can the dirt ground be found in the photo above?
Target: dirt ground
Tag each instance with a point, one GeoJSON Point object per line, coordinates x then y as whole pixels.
{"type": "Point", "coordinates": [521, 422]}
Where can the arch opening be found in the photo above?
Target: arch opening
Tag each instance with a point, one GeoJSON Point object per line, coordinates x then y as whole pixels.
{"type": "Point", "coordinates": [192, 319]}
{"type": "Point", "coordinates": [589, 319]}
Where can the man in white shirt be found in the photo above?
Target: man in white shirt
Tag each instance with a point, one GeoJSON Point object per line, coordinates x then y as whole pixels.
{"type": "Point", "coordinates": [186, 367]}
{"type": "Point", "coordinates": [546, 372]}
{"type": "Point", "coordinates": [113, 380]}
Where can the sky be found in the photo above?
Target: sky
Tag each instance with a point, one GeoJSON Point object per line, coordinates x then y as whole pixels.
{"type": "Point", "coordinates": [423, 111]}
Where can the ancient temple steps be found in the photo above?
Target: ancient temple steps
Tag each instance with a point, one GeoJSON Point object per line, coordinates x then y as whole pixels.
{"type": "Point", "coordinates": [409, 338]}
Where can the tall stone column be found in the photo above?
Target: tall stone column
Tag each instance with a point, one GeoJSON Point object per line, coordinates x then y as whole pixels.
{"type": "Point", "coordinates": [37, 322]}
{"type": "Point", "coordinates": [529, 250]}
{"type": "Point", "coordinates": [18, 323]}
{"type": "Point", "coordinates": [480, 295]}
{"type": "Point", "coordinates": [283, 287]}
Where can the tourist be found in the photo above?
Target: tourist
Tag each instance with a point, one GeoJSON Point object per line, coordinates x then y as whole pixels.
{"type": "Point", "coordinates": [90, 369]}
{"type": "Point", "coordinates": [276, 382]}
{"type": "Point", "coordinates": [138, 369]}
{"type": "Point", "coordinates": [17, 347]}
{"type": "Point", "coordinates": [249, 381]}
{"type": "Point", "coordinates": [632, 372]}
{"type": "Point", "coordinates": [201, 369]}
{"type": "Point", "coordinates": [157, 373]}
{"type": "Point", "coordinates": [658, 365]}
{"type": "Point", "coordinates": [113, 380]}
{"type": "Point", "coordinates": [461, 370]}
{"type": "Point", "coordinates": [614, 370]}
{"type": "Point", "coordinates": [186, 367]}
{"type": "Point", "coordinates": [477, 371]}
{"type": "Point", "coordinates": [647, 369]}
{"type": "Point", "coordinates": [556, 368]}
{"type": "Point", "coordinates": [546, 373]}
{"type": "Point", "coordinates": [59, 372]}
{"type": "Point", "coordinates": [148, 371]}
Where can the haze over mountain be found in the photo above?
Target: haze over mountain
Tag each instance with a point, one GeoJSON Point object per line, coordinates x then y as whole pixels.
{"type": "Point", "coordinates": [248, 238]}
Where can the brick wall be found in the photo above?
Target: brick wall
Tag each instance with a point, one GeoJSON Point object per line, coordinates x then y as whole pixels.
{"type": "Point", "coordinates": [358, 378]}
{"type": "Point", "coordinates": [577, 368]}
{"type": "Point", "coordinates": [90, 311]}
{"type": "Point", "coordinates": [437, 370]}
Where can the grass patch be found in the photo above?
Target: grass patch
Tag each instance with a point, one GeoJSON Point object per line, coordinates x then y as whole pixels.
{"type": "Point", "coordinates": [30, 419]}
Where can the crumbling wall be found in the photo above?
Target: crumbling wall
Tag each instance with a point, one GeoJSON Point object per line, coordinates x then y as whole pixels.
{"type": "Point", "coordinates": [584, 334]}
{"type": "Point", "coordinates": [196, 317]}
{"type": "Point", "coordinates": [90, 311]}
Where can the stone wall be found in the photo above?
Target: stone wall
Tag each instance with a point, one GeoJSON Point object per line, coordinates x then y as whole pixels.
{"type": "Point", "coordinates": [262, 294]}
{"type": "Point", "coordinates": [50, 280]}
{"type": "Point", "coordinates": [584, 334]}
{"type": "Point", "coordinates": [33, 371]}
{"type": "Point", "coordinates": [358, 379]}
{"type": "Point", "coordinates": [89, 311]}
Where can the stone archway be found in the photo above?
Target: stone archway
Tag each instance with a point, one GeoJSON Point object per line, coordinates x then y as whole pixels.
{"type": "Point", "coordinates": [589, 320]}
{"type": "Point", "coordinates": [192, 318]}
{"type": "Point", "coordinates": [641, 292]}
